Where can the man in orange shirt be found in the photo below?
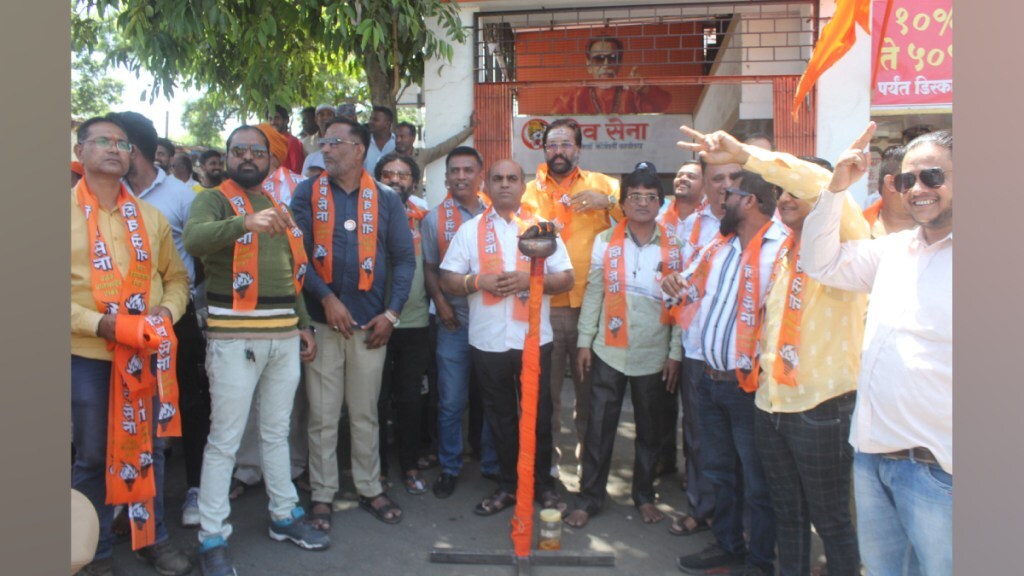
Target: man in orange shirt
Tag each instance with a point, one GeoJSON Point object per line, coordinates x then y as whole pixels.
{"type": "Point", "coordinates": [582, 205]}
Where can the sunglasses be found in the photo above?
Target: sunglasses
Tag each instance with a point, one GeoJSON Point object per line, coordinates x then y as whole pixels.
{"type": "Point", "coordinates": [930, 177]}
{"type": "Point", "coordinates": [257, 150]}
{"type": "Point", "coordinates": [642, 198]}
{"type": "Point", "coordinates": [395, 174]}
{"type": "Point", "coordinates": [775, 189]}
{"type": "Point", "coordinates": [605, 58]}
{"type": "Point", "coordinates": [332, 142]}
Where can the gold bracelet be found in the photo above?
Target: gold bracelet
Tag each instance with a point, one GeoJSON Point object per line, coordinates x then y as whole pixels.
{"type": "Point", "coordinates": [465, 283]}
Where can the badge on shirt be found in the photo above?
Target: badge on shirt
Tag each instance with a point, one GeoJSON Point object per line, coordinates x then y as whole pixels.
{"type": "Point", "coordinates": [350, 225]}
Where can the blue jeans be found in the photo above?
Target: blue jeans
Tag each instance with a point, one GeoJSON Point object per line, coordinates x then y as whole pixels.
{"type": "Point", "coordinates": [904, 516]}
{"type": "Point", "coordinates": [732, 464]}
{"type": "Point", "coordinates": [454, 370]}
{"type": "Point", "coordinates": [90, 399]}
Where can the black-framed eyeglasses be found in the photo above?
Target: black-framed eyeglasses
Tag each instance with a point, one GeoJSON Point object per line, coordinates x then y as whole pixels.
{"type": "Point", "coordinates": [605, 59]}
{"type": "Point", "coordinates": [930, 177]}
{"type": "Point", "coordinates": [737, 192]}
{"type": "Point", "coordinates": [332, 142]}
{"type": "Point", "coordinates": [257, 150]}
{"type": "Point", "coordinates": [104, 142]}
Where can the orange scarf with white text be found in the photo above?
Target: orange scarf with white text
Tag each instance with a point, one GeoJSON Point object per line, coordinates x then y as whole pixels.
{"type": "Point", "coordinates": [787, 352]}
{"type": "Point", "coordinates": [449, 219]}
{"type": "Point", "coordinates": [492, 262]}
{"type": "Point", "coordinates": [616, 330]}
{"type": "Point", "coordinates": [415, 215]}
{"type": "Point", "coordinates": [366, 227]}
{"type": "Point", "coordinates": [749, 314]}
{"type": "Point", "coordinates": [246, 270]}
{"type": "Point", "coordinates": [135, 376]}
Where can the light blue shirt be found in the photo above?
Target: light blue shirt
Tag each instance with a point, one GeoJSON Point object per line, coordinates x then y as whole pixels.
{"type": "Point", "coordinates": [173, 198]}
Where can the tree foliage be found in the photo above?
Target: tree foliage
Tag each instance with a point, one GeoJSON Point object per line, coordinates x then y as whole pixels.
{"type": "Point", "coordinates": [92, 93]}
{"type": "Point", "coordinates": [259, 52]}
{"type": "Point", "coordinates": [204, 118]}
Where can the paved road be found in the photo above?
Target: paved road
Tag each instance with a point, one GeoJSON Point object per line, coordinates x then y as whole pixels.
{"type": "Point", "coordinates": [363, 545]}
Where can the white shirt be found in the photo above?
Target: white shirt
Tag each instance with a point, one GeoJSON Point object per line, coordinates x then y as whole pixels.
{"type": "Point", "coordinates": [314, 160]}
{"type": "Point", "coordinates": [373, 154]}
{"type": "Point", "coordinates": [493, 328]}
{"type": "Point", "coordinates": [709, 225]}
{"type": "Point", "coordinates": [714, 327]}
{"type": "Point", "coordinates": [905, 387]}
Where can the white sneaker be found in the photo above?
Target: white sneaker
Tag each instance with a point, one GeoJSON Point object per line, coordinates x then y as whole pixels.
{"type": "Point", "coordinates": [190, 509]}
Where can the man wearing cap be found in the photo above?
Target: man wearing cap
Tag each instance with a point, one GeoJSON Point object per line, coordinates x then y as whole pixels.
{"type": "Point", "coordinates": [382, 141]}
{"type": "Point", "coordinates": [582, 204]}
{"type": "Point", "coordinates": [363, 261]}
{"type": "Point", "coordinates": [347, 110]}
{"type": "Point", "coordinates": [723, 290]}
{"type": "Point", "coordinates": [324, 114]}
{"type": "Point", "coordinates": [627, 338]}
{"type": "Point", "coordinates": [280, 119]}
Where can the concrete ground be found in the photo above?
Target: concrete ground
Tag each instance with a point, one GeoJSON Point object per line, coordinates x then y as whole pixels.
{"type": "Point", "coordinates": [362, 544]}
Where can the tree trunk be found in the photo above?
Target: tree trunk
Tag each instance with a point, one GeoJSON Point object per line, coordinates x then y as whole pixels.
{"type": "Point", "coordinates": [380, 82]}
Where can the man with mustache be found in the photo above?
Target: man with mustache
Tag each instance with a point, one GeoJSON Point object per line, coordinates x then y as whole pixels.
{"type": "Point", "coordinates": [723, 289]}
{"type": "Point", "coordinates": [408, 352]}
{"type": "Point", "coordinates": [463, 178]}
{"type": "Point", "coordinates": [484, 265]}
{"type": "Point", "coordinates": [888, 215]}
{"type": "Point", "coordinates": [361, 252]}
{"type": "Point", "coordinates": [581, 204]}
{"type": "Point", "coordinates": [604, 59]}
{"type": "Point", "coordinates": [902, 430]}
{"type": "Point", "coordinates": [258, 331]}
{"type": "Point", "coordinates": [626, 339]}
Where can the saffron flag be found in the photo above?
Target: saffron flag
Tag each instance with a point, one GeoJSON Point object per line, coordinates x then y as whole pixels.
{"type": "Point", "coordinates": [837, 37]}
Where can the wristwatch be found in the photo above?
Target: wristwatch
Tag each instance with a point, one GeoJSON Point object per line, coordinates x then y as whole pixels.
{"type": "Point", "coordinates": [395, 320]}
{"type": "Point", "coordinates": [611, 201]}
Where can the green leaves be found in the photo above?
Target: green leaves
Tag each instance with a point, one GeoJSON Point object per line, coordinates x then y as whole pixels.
{"type": "Point", "coordinates": [260, 52]}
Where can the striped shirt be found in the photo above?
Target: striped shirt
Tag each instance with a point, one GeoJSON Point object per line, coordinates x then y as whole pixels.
{"type": "Point", "coordinates": [714, 325]}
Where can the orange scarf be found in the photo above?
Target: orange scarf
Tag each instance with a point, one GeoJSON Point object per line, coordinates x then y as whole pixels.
{"type": "Point", "coordinates": [872, 212]}
{"type": "Point", "coordinates": [281, 182]}
{"type": "Point", "coordinates": [616, 330]}
{"type": "Point", "coordinates": [246, 272]}
{"type": "Point", "coordinates": [323, 229]}
{"type": "Point", "coordinates": [787, 353]}
{"type": "Point", "coordinates": [694, 239]}
{"type": "Point", "coordinates": [491, 261]}
{"type": "Point", "coordinates": [134, 379]}
{"type": "Point", "coordinates": [449, 219]}
{"type": "Point", "coordinates": [561, 196]}
{"type": "Point", "coordinates": [415, 215]}
{"type": "Point", "coordinates": [687, 309]}
{"type": "Point", "coordinates": [749, 314]}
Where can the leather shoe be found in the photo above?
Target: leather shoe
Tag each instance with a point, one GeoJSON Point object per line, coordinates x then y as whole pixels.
{"type": "Point", "coordinates": [444, 486]}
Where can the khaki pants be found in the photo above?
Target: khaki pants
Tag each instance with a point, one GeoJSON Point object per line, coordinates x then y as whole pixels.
{"type": "Point", "coordinates": [344, 371]}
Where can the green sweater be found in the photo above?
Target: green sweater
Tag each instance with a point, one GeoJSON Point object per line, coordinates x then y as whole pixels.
{"type": "Point", "coordinates": [210, 234]}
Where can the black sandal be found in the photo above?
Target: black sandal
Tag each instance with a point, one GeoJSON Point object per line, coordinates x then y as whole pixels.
{"type": "Point", "coordinates": [383, 511]}
{"type": "Point", "coordinates": [495, 503]}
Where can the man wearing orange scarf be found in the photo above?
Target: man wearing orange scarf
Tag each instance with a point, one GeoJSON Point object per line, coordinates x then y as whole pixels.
{"type": "Point", "coordinates": [484, 264]}
{"type": "Point", "coordinates": [725, 286]}
{"type": "Point", "coordinates": [362, 262]}
{"type": "Point", "coordinates": [582, 204]}
{"type": "Point", "coordinates": [810, 354]}
{"type": "Point", "coordinates": [124, 266]}
{"type": "Point", "coordinates": [887, 215]}
{"type": "Point", "coordinates": [258, 332]}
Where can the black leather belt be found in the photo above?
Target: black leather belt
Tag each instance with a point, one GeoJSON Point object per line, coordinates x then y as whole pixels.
{"type": "Point", "coordinates": [922, 455]}
{"type": "Point", "coordinates": [721, 375]}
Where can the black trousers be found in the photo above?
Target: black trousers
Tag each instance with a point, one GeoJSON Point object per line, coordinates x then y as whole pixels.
{"type": "Point", "coordinates": [400, 394]}
{"type": "Point", "coordinates": [193, 393]}
{"type": "Point", "coordinates": [498, 376]}
{"type": "Point", "coordinates": [607, 390]}
{"type": "Point", "coordinates": [808, 462]}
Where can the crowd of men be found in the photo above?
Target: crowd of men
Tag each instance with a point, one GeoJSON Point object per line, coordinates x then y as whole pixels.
{"type": "Point", "coordinates": [306, 277]}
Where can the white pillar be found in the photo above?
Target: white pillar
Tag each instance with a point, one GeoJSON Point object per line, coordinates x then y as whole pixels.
{"type": "Point", "coordinates": [448, 98]}
{"type": "Point", "coordinates": [844, 100]}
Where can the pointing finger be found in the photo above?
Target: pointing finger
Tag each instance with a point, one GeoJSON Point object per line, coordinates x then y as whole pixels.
{"type": "Point", "coordinates": [865, 138]}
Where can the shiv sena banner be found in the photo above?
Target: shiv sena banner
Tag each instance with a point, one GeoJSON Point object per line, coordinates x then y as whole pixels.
{"type": "Point", "coordinates": [914, 52]}
{"type": "Point", "coordinates": [611, 144]}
